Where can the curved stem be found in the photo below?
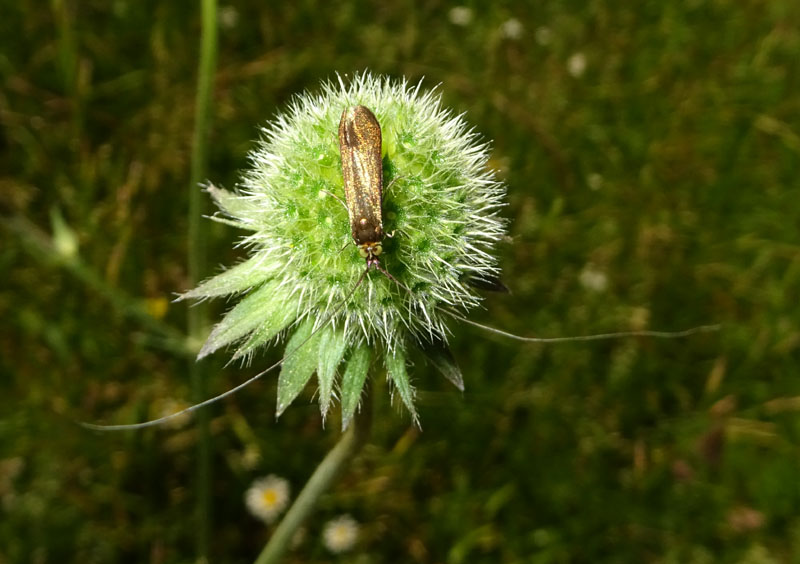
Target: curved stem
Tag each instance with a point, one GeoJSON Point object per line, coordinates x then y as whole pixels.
{"type": "Point", "coordinates": [330, 467]}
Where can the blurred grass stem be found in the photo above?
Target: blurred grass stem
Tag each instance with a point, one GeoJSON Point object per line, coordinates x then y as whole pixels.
{"type": "Point", "coordinates": [197, 317]}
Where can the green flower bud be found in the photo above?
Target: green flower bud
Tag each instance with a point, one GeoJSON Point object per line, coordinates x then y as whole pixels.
{"type": "Point", "coordinates": [440, 204]}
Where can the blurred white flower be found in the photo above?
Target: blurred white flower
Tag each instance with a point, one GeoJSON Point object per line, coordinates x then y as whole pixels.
{"type": "Point", "coordinates": [267, 497]}
{"type": "Point", "coordinates": [460, 15]}
{"type": "Point", "coordinates": [512, 29]}
{"type": "Point", "coordinates": [228, 17]}
{"type": "Point", "coordinates": [340, 534]}
{"type": "Point", "coordinates": [543, 36]}
{"type": "Point", "coordinates": [593, 279]}
{"type": "Point", "coordinates": [595, 181]}
{"type": "Point", "coordinates": [576, 65]}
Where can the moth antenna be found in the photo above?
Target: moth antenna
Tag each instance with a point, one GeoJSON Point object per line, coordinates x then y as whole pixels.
{"type": "Point", "coordinates": [596, 337]}
{"type": "Point", "coordinates": [393, 279]}
{"type": "Point", "coordinates": [223, 395]}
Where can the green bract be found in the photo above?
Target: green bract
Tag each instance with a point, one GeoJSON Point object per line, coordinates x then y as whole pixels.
{"type": "Point", "coordinates": [441, 208]}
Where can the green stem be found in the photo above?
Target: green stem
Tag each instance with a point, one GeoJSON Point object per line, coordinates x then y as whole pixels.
{"type": "Point", "coordinates": [197, 318]}
{"type": "Point", "coordinates": [331, 466]}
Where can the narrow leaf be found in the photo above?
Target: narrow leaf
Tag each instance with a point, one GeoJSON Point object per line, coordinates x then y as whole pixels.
{"type": "Point", "coordinates": [239, 278]}
{"type": "Point", "coordinates": [396, 366]}
{"type": "Point", "coordinates": [301, 360]}
{"type": "Point", "coordinates": [353, 382]}
{"type": "Point", "coordinates": [331, 350]}
{"type": "Point", "coordinates": [234, 205]}
{"type": "Point", "coordinates": [488, 282]}
{"type": "Point", "coordinates": [443, 360]}
{"type": "Point", "coordinates": [260, 336]}
{"type": "Point", "coordinates": [264, 309]}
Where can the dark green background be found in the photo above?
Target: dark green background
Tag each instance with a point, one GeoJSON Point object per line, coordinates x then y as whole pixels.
{"type": "Point", "coordinates": [671, 165]}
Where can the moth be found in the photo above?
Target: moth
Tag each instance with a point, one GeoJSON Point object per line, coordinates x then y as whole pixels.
{"type": "Point", "coordinates": [362, 176]}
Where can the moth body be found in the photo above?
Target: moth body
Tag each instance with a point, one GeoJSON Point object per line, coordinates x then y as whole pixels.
{"type": "Point", "coordinates": [362, 175]}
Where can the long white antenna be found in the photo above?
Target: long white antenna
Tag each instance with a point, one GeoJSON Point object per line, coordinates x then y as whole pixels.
{"type": "Point", "coordinates": [223, 395]}
{"type": "Point", "coordinates": [596, 337]}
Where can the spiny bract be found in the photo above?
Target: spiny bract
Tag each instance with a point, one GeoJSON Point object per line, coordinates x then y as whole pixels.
{"type": "Point", "coordinates": [441, 208]}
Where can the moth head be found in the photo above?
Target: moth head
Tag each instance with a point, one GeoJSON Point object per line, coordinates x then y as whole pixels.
{"type": "Point", "coordinates": [370, 250]}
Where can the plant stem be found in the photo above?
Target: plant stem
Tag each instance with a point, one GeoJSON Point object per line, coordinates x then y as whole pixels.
{"type": "Point", "coordinates": [197, 318]}
{"type": "Point", "coordinates": [330, 467]}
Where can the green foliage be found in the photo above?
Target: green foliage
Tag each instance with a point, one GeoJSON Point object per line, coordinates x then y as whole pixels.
{"type": "Point", "coordinates": [651, 153]}
{"type": "Point", "coordinates": [301, 362]}
{"type": "Point", "coordinates": [353, 382]}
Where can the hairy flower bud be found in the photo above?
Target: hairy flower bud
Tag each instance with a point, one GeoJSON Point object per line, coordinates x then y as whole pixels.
{"type": "Point", "coordinates": [440, 213]}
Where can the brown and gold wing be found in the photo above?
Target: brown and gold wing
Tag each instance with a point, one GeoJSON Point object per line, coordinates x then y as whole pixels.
{"type": "Point", "coordinates": [362, 172]}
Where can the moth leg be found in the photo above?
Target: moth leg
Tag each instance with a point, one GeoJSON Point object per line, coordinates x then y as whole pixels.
{"type": "Point", "coordinates": [395, 179]}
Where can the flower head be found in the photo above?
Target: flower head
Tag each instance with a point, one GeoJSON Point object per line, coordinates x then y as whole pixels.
{"type": "Point", "coordinates": [576, 65]}
{"type": "Point", "coordinates": [340, 534]}
{"type": "Point", "coordinates": [460, 15]}
{"type": "Point", "coordinates": [512, 29]}
{"type": "Point", "coordinates": [267, 497]}
{"type": "Point", "coordinates": [439, 211]}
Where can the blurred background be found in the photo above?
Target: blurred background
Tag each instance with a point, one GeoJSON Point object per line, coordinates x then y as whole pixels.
{"type": "Point", "coordinates": [652, 156]}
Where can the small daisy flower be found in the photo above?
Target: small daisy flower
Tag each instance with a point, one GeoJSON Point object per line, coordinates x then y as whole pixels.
{"type": "Point", "coordinates": [340, 534]}
{"type": "Point", "coordinates": [512, 28]}
{"type": "Point", "coordinates": [304, 278]}
{"type": "Point", "coordinates": [576, 65]}
{"type": "Point", "coordinates": [460, 15]}
{"type": "Point", "coordinates": [593, 279]}
{"type": "Point", "coordinates": [228, 17]}
{"type": "Point", "coordinates": [267, 497]}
